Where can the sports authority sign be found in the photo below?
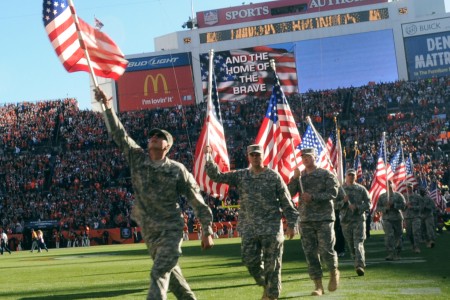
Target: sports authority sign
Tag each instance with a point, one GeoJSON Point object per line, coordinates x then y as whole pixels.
{"type": "Point", "coordinates": [273, 9]}
{"type": "Point", "coordinates": [156, 82]}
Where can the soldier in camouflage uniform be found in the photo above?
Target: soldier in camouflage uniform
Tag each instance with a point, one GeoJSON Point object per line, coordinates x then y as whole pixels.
{"type": "Point", "coordinates": [391, 208]}
{"type": "Point", "coordinates": [316, 207]}
{"type": "Point", "coordinates": [411, 214]}
{"type": "Point", "coordinates": [353, 204]}
{"type": "Point", "coordinates": [264, 197]}
{"type": "Point", "coordinates": [158, 183]}
{"type": "Point", "coordinates": [428, 208]}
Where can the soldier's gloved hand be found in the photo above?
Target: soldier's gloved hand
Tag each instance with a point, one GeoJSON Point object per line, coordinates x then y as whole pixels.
{"type": "Point", "coordinates": [291, 232]}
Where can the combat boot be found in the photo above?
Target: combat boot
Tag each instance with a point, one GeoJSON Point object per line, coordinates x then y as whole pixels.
{"type": "Point", "coordinates": [334, 280]}
{"type": "Point", "coordinates": [416, 250]}
{"type": "Point", "coordinates": [319, 288]}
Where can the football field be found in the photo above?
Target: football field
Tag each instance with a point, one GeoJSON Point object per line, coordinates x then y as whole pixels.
{"type": "Point", "coordinates": [122, 272]}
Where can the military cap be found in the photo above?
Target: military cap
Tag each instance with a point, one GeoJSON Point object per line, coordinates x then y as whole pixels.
{"type": "Point", "coordinates": [255, 148]}
{"type": "Point", "coordinates": [166, 134]}
{"type": "Point", "coordinates": [409, 184]}
{"type": "Point", "coordinates": [351, 171]}
{"type": "Point", "coordinates": [309, 151]}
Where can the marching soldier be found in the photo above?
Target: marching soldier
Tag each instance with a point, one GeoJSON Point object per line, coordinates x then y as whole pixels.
{"type": "Point", "coordinates": [353, 206]}
{"type": "Point", "coordinates": [428, 208]}
{"type": "Point", "coordinates": [412, 218]}
{"type": "Point", "coordinates": [316, 208]}
{"type": "Point", "coordinates": [158, 183]}
{"type": "Point", "coordinates": [391, 208]}
{"type": "Point", "coordinates": [264, 197]}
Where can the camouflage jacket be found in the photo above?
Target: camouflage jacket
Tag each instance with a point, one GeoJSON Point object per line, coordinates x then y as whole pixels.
{"type": "Point", "coordinates": [391, 212]}
{"type": "Point", "coordinates": [323, 186]}
{"type": "Point", "coordinates": [427, 207]}
{"type": "Point", "coordinates": [359, 197]}
{"type": "Point", "coordinates": [413, 205]}
{"type": "Point", "coordinates": [264, 197]}
{"type": "Point", "coordinates": [157, 187]}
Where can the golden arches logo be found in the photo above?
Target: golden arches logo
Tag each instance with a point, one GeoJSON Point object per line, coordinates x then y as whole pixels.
{"type": "Point", "coordinates": [155, 80]}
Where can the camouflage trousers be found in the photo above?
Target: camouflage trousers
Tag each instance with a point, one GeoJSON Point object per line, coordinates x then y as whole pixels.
{"type": "Point", "coordinates": [413, 231]}
{"type": "Point", "coordinates": [318, 239]}
{"type": "Point", "coordinates": [393, 230]}
{"type": "Point", "coordinates": [165, 249]}
{"type": "Point", "coordinates": [430, 228]}
{"type": "Point", "coordinates": [262, 255]}
{"type": "Point", "coordinates": [355, 235]}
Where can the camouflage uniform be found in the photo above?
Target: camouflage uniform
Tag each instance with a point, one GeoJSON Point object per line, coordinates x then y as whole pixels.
{"type": "Point", "coordinates": [261, 196]}
{"type": "Point", "coordinates": [354, 222]}
{"type": "Point", "coordinates": [412, 219]}
{"type": "Point", "coordinates": [427, 210]}
{"type": "Point", "coordinates": [392, 222]}
{"type": "Point", "coordinates": [317, 219]}
{"type": "Point", "coordinates": [157, 187]}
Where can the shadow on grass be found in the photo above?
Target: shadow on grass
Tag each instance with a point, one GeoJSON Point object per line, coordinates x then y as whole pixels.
{"type": "Point", "coordinates": [89, 295]}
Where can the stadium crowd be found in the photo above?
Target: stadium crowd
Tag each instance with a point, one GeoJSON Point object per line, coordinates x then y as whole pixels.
{"type": "Point", "coordinates": [58, 163]}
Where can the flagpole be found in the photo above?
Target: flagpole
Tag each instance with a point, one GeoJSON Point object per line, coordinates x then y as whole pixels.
{"type": "Point", "coordinates": [385, 164]}
{"type": "Point", "coordinates": [209, 99]}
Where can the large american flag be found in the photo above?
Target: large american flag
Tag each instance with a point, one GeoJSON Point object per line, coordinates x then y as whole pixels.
{"type": "Point", "coordinates": [212, 134]}
{"type": "Point", "coordinates": [335, 150]}
{"type": "Point", "coordinates": [398, 167]}
{"type": "Point", "coordinates": [410, 177]}
{"type": "Point", "coordinates": [106, 58]}
{"type": "Point", "coordinates": [231, 66]}
{"type": "Point", "coordinates": [380, 179]}
{"type": "Point", "coordinates": [279, 134]}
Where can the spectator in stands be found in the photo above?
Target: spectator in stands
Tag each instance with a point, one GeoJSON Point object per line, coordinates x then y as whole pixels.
{"type": "Point", "coordinates": [158, 181]}
{"type": "Point", "coordinates": [264, 197]}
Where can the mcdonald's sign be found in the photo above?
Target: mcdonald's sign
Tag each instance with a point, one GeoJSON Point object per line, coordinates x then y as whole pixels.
{"type": "Point", "coordinates": [156, 88]}
{"type": "Point", "coordinates": [155, 83]}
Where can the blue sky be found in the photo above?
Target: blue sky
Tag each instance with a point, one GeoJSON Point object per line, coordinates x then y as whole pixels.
{"type": "Point", "coordinates": [29, 67]}
{"type": "Point", "coordinates": [30, 70]}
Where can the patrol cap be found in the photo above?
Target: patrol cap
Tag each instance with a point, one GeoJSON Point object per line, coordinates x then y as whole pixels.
{"type": "Point", "coordinates": [309, 151]}
{"type": "Point", "coordinates": [255, 148]}
{"type": "Point", "coordinates": [165, 133]}
{"type": "Point", "coordinates": [410, 185]}
{"type": "Point", "coordinates": [351, 172]}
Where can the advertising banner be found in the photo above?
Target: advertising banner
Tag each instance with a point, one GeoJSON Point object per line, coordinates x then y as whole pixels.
{"type": "Point", "coordinates": [274, 9]}
{"type": "Point", "coordinates": [428, 55]}
{"type": "Point", "coordinates": [155, 88]}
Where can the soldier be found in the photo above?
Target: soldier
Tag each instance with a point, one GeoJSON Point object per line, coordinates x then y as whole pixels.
{"type": "Point", "coordinates": [262, 194]}
{"type": "Point", "coordinates": [353, 205]}
{"type": "Point", "coordinates": [316, 207]}
{"type": "Point", "coordinates": [412, 218]}
{"type": "Point", "coordinates": [391, 208]}
{"type": "Point", "coordinates": [428, 208]}
{"type": "Point", "coordinates": [158, 183]}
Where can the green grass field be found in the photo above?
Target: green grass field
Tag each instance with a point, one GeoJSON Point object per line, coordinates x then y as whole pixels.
{"type": "Point", "coordinates": [122, 272]}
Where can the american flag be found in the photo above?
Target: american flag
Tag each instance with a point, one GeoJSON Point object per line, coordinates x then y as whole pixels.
{"type": "Point", "coordinates": [232, 66]}
{"type": "Point", "coordinates": [358, 168]}
{"type": "Point", "coordinates": [435, 194]}
{"type": "Point", "coordinates": [335, 150]}
{"type": "Point", "coordinates": [312, 139]}
{"type": "Point", "coordinates": [106, 58]}
{"type": "Point", "coordinates": [398, 167]}
{"type": "Point", "coordinates": [279, 134]}
{"type": "Point", "coordinates": [380, 179]}
{"type": "Point", "coordinates": [98, 24]}
{"type": "Point", "coordinates": [212, 134]}
{"type": "Point", "coordinates": [410, 178]}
